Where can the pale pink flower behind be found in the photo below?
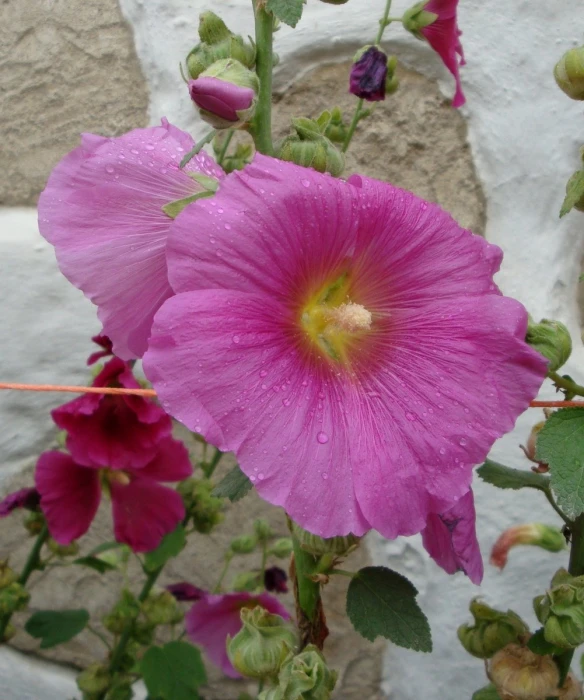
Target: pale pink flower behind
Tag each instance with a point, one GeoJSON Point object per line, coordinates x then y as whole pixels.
{"type": "Point", "coordinates": [102, 210]}
{"type": "Point", "coordinates": [345, 340]}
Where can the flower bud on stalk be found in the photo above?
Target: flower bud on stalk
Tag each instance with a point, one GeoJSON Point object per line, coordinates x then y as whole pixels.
{"type": "Point", "coordinates": [226, 94]}
{"type": "Point", "coordinates": [203, 508]}
{"type": "Point", "coordinates": [492, 630]}
{"type": "Point", "coordinates": [579, 205]}
{"type": "Point", "coordinates": [369, 74]}
{"type": "Point", "coordinates": [519, 674]}
{"type": "Point", "coordinates": [281, 548]}
{"type": "Point", "coordinates": [308, 146]}
{"type": "Point", "coordinates": [247, 581]}
{"type": "Point", "coordinates": [62, 550]}
{"type": "Point", "coordinates": [95, 679]}
{"type": "Point", "coordinates": [304, 676]}
{"type": "Point", "coordinates": [569, 73]}
{"type": "Point", "coordinates": [335, 2]}
{"type": "Point", "coordinates": [13, 598]}
{"type": "Point", "coordinates": [260, 647]}
{"type": "Point", "coordinates": [417, 18]}
{"type": "Point", "coordinates": [545, 536]}
{"type": "Point", "coordinates": [561, 610]}
{"type": "Point", "coordinates": [162, 609]}
{"type": "Point", "coordinates": [125, 610]}
{"type": "Point", "coordinates": [552, 340]}
{"type": "Point", "coordinates": [245, 544]}
{"type": "Point", "coordinates": [262, 529]}
{"type": "Point", "coordinates": [530, 449]}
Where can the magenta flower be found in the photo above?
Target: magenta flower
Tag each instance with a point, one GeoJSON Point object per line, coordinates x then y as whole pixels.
{"type": "Point", "coordinates": [443, 35]}
{"type": "Point", "coordinates": [221, 98]}
{"type": "Point", "coordinates": [143, 510]}
{"type": "Point", "coordinates": [28, 499]}
{"type": "Point", "coordinates": [451, 540]}
{"type": "Point", "coordinates": [368, 75]}
{"type": "Point", "coordinates": [214, 617]}
{"type": "Point", "coordinates": [107, 349]}
{"type": "Point", "coordinates": [345, 340]}
{"type": "Point", "coordinates": [184, 591]}
{"type": "Point", "coordinates": [102, 210]}
{"type": "Point", "coordinates": [113, 431]}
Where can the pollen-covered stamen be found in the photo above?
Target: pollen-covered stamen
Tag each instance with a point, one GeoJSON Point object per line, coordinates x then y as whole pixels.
{"type": "Point", "coordinates": [347, 318]}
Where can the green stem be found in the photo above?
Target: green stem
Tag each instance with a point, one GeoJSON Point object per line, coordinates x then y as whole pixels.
{"type": "Point", "coordinates": [353, 125]}
{"type": "Point", "coordinates": [567, 384]}
{"type": "Point", "coordinates": [223, 151]}
{"type": "Point", "coordinates": [32, 563]}
{"type": "Point", "coordinates": [264, 559]}
{"type": "Point", "coordinates": [383, 22]}
{"type": "Point", "coordinates": [99, 635]}
{"type": "Point", "coordinates": [554, 505]}
{"type": "Point", "coordinates": [210, 468]}
{"type": "Point", "coordinates": [199, 147]}
{"type": "Point", "coordinates": [308, 591]}
{"type": "Point", "coordinates": [261, 128]}
{"type": "Point", "coordinates": [342, 572]}
{"type": "Point", "coordinates": [228, 558]}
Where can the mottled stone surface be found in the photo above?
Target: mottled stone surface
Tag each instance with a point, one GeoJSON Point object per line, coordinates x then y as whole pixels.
{"type": "Point", "coordinates": [65, 67]}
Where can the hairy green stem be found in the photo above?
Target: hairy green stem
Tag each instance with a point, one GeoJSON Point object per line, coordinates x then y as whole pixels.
{"type": "Point", "coordinates": [261, 128]}
{"type": "Point", "coordinates": [554, 505]}
{"type": "Point", "coordinates": [567, 384]}
{"type": "Point", "coordinates": [225, 146]}
{"type": "Point", "coordinates": [228, 558]}
{"type": "Point", "coordinates": [199, 147]}
{"type": "Point", "coordinates": [30, 565]}
{"type": "Point", "coordinates": [308, 591]}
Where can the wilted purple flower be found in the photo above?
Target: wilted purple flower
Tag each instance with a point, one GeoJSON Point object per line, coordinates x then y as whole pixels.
{"type": "Point", "coordinates": [368, 75]}
{"type": "Point", "coordinates": [275, 580]}
{"type": "Point", "coordinates": [184, 591]}
{"type": "Point", "coordinates": [23, 498]}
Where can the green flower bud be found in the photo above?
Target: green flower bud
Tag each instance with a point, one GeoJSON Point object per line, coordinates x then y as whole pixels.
{"type": "Point", "coordinates": [34, 522]}
{"type": "Point", "coordinates": [12, 598]}
{"type": "Point", "coordinates": [212, 29]}
{"type": "Point", "coordinates": [260, 647]}
{"type": "Point", "coordinates": [561, 610]}
{"type": "Point", "coordinates": [63, 550]}
{"type": "Point", "coordinates": [204, 55]}
{"type": "Point", "coordinates": [519, 674]}
{"type": "Point", "coordinates": [313, 544]}
{"type": "Point", "coordinates": [202, 508]}
{"type": "Point", "coordinates": [416, 18]}
{"type": "Point", "coordinates": [320, 155]}
{"type": "Point", "coordinates": [125, 610]}
{"type": "Point", "coordinates": [282, 548]}
{"type": "Point", "coordinates": [262, 529]}
{"type": "Point", "coordinates": [162, 609]}
{"type": "Point", "coordinates": [247, 581]}
{"type": "Point", "coordinates": [552, 340]}
{"type": "Point", "coordinates": [569, 73]}
{"type": "Point", "coordinates": [7, 575]}
{"type": "Point", "coordinates": [94, 680]}
{"type": "Point", "coordinates": [576, 176]}
{"type": "Point", "coordinates": [120, 690]}
{"type": "Point", "coordinates": [9, 632]}
{"type": "Point", "coordinates": [143, 632]}
{"type": "Point", "coordinates": [336, 129]}
{"type": "Point", "coordinates": [245, 544]}
{"type": "Point", "coordinates": [303, 677]}
{"type": "Point", "coordinates": [492, 630]}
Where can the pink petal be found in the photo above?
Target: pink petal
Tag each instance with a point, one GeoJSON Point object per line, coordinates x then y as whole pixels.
{"type": "Point", "coordinates": [70, 495]}
{"type": "Point", "coordinates": [102, 210]}
{"type": "Point", "coordinates": [214, 617]}
{"type": "Point", "coordinates": [171, 463]}
{"type": "Point", "coordinates": [451, 540]}
{"type": "Point", "coordinates": [220, 97]}
{"type": "Point", "coordinates": [144, 512]}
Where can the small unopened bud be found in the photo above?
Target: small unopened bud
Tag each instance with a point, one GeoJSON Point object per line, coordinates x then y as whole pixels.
{"type": "Point", "coordinates": [34, 522]}
{"type": "Point", "coordinates": [125, 610]}
{"type": "Point", "coordinates": [262, 529]}
{"type": "Point", "coordinates": [121, 689]}
{"type": "Point", "coordinates": [204, 509]}
{"type": "Point", "coordinates": [313, 544]}
{"type": "Point", "coordinates": [7, 575]}
{"type": "Point", "coordinates": [579, 204]}
{"type": "Point", "coordinates": [212, 29]}
{"type": "Point", "coordinates": [248, 581]}
{"type": "Point", "coordinates": [305, 676]}
{"type": "Point", "coordinates": [13, 598]}
{"type": "Point", "coordinates": [63, 550]}
{"type": "Point", "coordinates": [260, 647]}
{"type": "Point", "coordinates": [225, 94]}
{"type": "Point", "coordinates": [245, 544]}
{"type": "Point", "coordinates": [545, 536]}
{"type": "Point", "coordinates": [530, 448]}
{"type": "Point", "coordinates": [416, 18]}
{"type": "Point", "coordinates": [519, 674]}
{"type": "Point", "coordinates": [162, 609]}
{"type": "Point", "coordinates": [492, 630]}
{"type": "Point", "coordinates": [552, 340]}
{"type": "Point", "coordinates": [319, 154]}
{"type": "Point", "coordinates": [143, 632]}
{"type": "Point", "coordinates": [281, 548]}
{"type": "Point", "coordinates": [569, 73]}
{"type": "Point", "coordinates": [95, 679]}
{"type": "Point", "coordinates": [204, 55]}
{"type": "Point", "coordinates": [369, 74]}
{"type": "Point", "coordinates": [561, 610]}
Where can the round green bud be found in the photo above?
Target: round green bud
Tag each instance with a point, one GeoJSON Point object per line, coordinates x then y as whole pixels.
{"type": "Point", "coordinates": [94, 680]}
{"type": "Point", "coordinates": [63, 550]}
{"type": "Point", "coordinates": [416, 18]}
{"type": "Point", "coordinates": [305, 676]}
{"type": "Point", "coordinates": [121, 689]}
{"type": "Point", "coordinates": [569, 73]}
{"type": "Point", "coordinates": [13, 598]}
{"type": "Point", "coordinates": [321, 155]}
{"type": "Point", "coordinates": [260, 647]}
{"type": "Point", "coordinates": [313, 544]}
{"type": "Point", "coordinates": [552, 340]}
{"type": "Point", "coordinates": [204, 55]}
{"type": "Point", "coordinates": [580, 203]}
{"type": "Point", "coordinates": [125, 610]}
{"type": "Point", "coordinates": [247, 581]}
{"type": "Point", "coordinates": [212, 29]}
{"type": "Point", "coordinates": [162, 609]}
{"type": "Point", "coordinates": [262, 529]}
{"type": "Point", "coordinates": [7, 575]}
{"type": "Point", "coordinates": [245, 544]}
{"type": "Point", "coordinates": [282, 548]}
{"type": "Point", "coordinates": [492, 630]}
{"type": "Point", "coordinates": [34, 522]}
{"type": "Point", "coordinates": [561, 610]}
{"type": "Point", "coordinates": [202, 508]}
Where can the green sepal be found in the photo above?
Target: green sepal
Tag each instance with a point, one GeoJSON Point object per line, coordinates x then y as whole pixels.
{"type": "Point", "coordinates": [209, 183]}
{"type": "Point", "coordinates": [173, 209]}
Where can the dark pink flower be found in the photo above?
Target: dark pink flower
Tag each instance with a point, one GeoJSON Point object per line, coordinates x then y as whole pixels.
{"type": "Point", "coordinates": [443, 35]}
{"type": "Point", "coordinates": [368, 75]}
{"type": "Point", "coordinates": [214, 617]}
{"type": "Point", "coordinates": [220, 97]}
{"type": "Point", "coordinates": [345, 340]}
{"type": "Point", "coordinates": [104, 342]}
{"type": "Point", "coordinates": [102, 210]}
{"type": "Point", "coordinates": [186, 591]}
{"type": "Point", "coordinates": [275, 580]}
{"type": "Point", "coordinates": [451, 540]}
{"type": "Point", "coordinates": [113, 431]}
{"type": "Point", "coordinates": [143, 509]}
{"type": "Point", "coordinates": [28, 499]}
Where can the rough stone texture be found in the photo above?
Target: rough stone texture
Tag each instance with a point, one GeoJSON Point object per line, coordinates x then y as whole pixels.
{"type": "Point", "coordinates": [65, 67]}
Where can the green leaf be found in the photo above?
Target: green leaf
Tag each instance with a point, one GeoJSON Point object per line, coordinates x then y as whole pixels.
{"type": "Point", "coordinates": [234, 485]}
{"type": "Point", "coordinates": [104, 547]}
{"type": "Point", "coordinates": [538, 644]}
{"type": "Point", "coordinates": [171, 545]}
{"type": "Point", "coordinates": [287, 11]}
{"type": "Point", "coordinates": [560, 444]}
{"type": "Point", "coordinates": [94, 563]}
{"type": "Point", "coordinates": [489, 692]}
{"type": "Point", "coordinates": [506, 478]}
{"type": "Point", "coordinates": [173, 672]}
{"type": "Point", "coordinates": [56, 626]}
{"type": "Point", "coordinates": [173, 209]}
{"type": "Point", "coordinates": [574, 192]}
{"type": "Point", "coordinates": [382, 602]}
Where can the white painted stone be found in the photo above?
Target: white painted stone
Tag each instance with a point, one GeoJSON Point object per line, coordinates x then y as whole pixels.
{"type": "Point", "coordinates": [26, 678]}
{"type": "Point", "coordinates": [524, 135]}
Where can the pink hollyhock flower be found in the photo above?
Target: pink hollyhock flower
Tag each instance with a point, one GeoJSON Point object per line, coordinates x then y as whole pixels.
{"type": "Point", "coordinates": [451, 539]}
{"type": "Point", "coordinates": [214, 617]}
{"type": "Point", "coordinates": [104, 342]}
{"type": "Point", "coordinates": [113, 431]}
{"type": "Point", "coordinates": [443, 35]}
{"type": "Point", "coordinates": [102, 210]}
{"type": "Point", "coordinates": [345, 340]}
{"type": "Point", "coordinates": [368, 75]}
{"type": "Point", "coordinates": [221, 98]}
{"type": "Point", "coordinates": [144, 511]}
{"type": "Point", "coordinates": [28, 499]}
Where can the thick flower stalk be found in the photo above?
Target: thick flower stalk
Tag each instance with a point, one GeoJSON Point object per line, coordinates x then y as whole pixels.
{"type": "Point", "coordinates": [345, 340]}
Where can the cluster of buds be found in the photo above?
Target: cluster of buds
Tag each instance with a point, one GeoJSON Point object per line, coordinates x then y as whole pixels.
{"type": "Point", "coordinates": [491, 631]}
{"type": "Point", "coordinates": [308, 145]}
{"type": "Point", "coordinates": [561, 610]}
{"type": "Point", "coordinates": [304, 676]}
{"type": "Point", "coordinates": [203, 510]}
{"type": "Point", "coordinates": [13, 596]}
{"type": "Point", "coordinates": [551, 339]}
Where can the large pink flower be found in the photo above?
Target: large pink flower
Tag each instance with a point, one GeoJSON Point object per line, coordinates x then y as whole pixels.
{"type": "Point", "coordinates": [214, 617]}
{"type": "Point", "coordinates": [443, 35]}
{"type": "Point", "coordinates": [143, 510]}
{"type": "Point", "coordinates": [345, 340]}
{"type": "Point", "coordinates": [102, 210]}
{"type": "Point", "coordinates": [451, 540]}
{"type": "Point", "coordinates": [113, 431]}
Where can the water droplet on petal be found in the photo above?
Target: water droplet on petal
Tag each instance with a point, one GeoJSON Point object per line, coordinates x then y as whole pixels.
{"type": "Point", "coordinates": [305, 183]}
{"type": "Point", "coordinates": [323, 438]}
{"type": "Point", "coordinates": [324, 475]}
{"type": "Point", "coordinates": [462, 441]}
{"type": "Point", "coordinates": [264, 373]}
{"type": "Point", "coordinates": [109, 169]}
{"type": "Point", "coordinates": [236, 339]}
{"type": "Point", "coordinates": [410, 416]}
{"type": "Point", "coordinates": [228, 226]}
{"type": "Point", "coordinates": [442, 451]}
